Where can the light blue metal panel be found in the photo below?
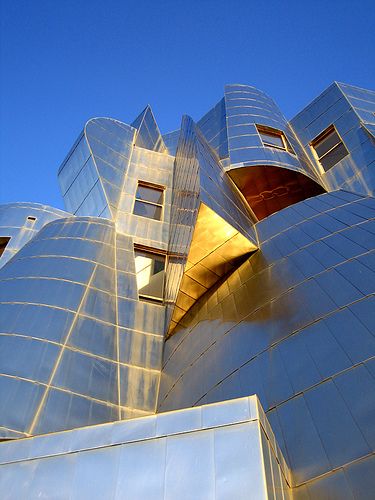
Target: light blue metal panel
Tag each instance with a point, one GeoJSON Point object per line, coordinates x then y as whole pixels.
{"type": "Point", "coordinates": [21, 221]}
{"type": "Point", "coordinates": [301, 315]}
{"type": "Point", "coordinates": [360, 382]}
{"type": "Point", "coordinates": [311, 459]}
{"type": "Point", "coordinates": [63, 410]}
{"type": "Point", "coordinates": [51, 280]}
{"type": "Point", "coordinates": [361, 479]}
{"type": "Point", "coordinates": [148, 134]}
{"type": "Point", "coordinates": [349, 109]}
{"type": "Point", "coordinates": [151, 457]}
{"type": "Point", "coordinates": [238, 475]}
{"type": "Point", "coordinates": [20, 401]}
{"type": "Point", "coordinates": [213, 125]}
{"type": "Point", "coordinates": [334, 423]}
{"type": "Point", "coordinates": [246, 107]}
{"type": "Point", "coordinates": [87, 484]}
{"type": "Point", "coordinates": [171, 140]}
{"type": "Point", "coordinates": [111, 143]}
{"type": "Point", "coordinates": [27, 358]}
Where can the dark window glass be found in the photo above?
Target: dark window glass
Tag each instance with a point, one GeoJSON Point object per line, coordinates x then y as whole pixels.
{"type": "Point", "coordinates": [334, 156]}
{"type": "Point", "coordinates": [3, 243]}
{"type": "Point", "coordinates": [147, 210]}
{"type": "Point", "coordinates": [274, 138]}
{"type": "Point", "coordinates": [147, 193]}
{"type": "Point", "coordinates": [149, 268]}
{"type": "Point", "coordinates": [329, 148]}
{"type": "Point", "coordinates": [149, 201]}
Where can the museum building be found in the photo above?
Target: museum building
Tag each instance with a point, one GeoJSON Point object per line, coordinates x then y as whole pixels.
{"type": "Point", "coordinates": [200, 321]}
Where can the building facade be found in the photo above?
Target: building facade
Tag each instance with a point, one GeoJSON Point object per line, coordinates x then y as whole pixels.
{"type": "Point", "coordinates": [192, 270]}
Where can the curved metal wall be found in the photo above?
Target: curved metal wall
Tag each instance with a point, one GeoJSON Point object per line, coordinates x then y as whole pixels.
{"type": "Point", "coordinates": [247, 107]}
{"type": "Point", "coordinates": [91, 177]}
{"type": "Point", "coordinates": [58, 339]}
{"type": "Point", "coordinates": [294, 324]}
{"type": "Point", "coordinates": [270, 178]}
{"type": "Point", "coordinates": [21, 221]}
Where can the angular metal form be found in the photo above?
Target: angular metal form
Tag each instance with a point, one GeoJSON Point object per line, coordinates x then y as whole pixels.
{"type": "Point", "coordinates": [231, 257]}
{"type": "Point", "coordinates": [211, 226]}
{"type": "Point", "coordinates": [238, 456]}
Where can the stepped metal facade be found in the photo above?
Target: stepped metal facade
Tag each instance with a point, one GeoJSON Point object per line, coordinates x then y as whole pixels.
{"type": "Point", "coordinates": [229, 258]}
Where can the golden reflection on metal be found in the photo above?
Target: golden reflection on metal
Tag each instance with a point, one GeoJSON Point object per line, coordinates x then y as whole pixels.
{"type": "Point", "coordinates": [216, 249]}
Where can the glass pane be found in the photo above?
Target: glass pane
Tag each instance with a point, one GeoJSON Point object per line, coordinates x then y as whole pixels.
{"type": "Point", "coordinates": [3, 244]}
{"type": "Point", "coordinates": [149, 268]}
{"type": "Point", "coordinates": [147, 193]}
{"type": "Point", "coordinates": [327, 143]}
{"type": "Point", "coordinates": [147, 210]}
{"type": "Point", "coordinates": [334, 156]}
{"type": "Point", "coordinates": [288, 146]}
{"type": "Point", "coordinates": [272, 140]}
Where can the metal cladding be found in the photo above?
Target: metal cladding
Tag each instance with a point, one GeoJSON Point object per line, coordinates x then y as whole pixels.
{"type": "Point", "coordinates": [19, 222]}
{"type": "Point", "coordinates": [232, 257]}
{"type": "Point", "coordinates": [182, 454]}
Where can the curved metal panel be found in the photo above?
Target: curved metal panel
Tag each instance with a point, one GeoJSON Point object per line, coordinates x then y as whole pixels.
{"type": "Point", "coordinates": [50, 297]}
{"type": "Point", "coordinates": [294, 324]}
{"type": "Point", "coordinates": [247, 107]}
{"type": "Point", "coordinates": [21, 221]}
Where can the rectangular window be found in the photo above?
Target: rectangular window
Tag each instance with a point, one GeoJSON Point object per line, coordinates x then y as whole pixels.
{"type": "Point", "coordinates": [274, 138]}
{"type": "Point", "coordinates": [329, 148]}
{"type": "Point", "coordinates": [3, 243]}
{"type": "Point", "coordinates": [150, 271]}
{"type": "Point", "coordinates": [149, 201]}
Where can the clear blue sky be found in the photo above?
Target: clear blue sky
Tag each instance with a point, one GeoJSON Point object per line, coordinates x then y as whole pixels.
{"type": "Point", "coordinates": [64, 61]}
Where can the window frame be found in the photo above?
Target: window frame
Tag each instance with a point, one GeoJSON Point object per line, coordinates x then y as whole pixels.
{"type": "Point", "coordinates": [156, 187]}
{"type": "Point", "coordinates": [266, 130]}
{"type": "Point", "coordinates": [319, 138]}
{"type": "Point", "coordinates": [152, 251]}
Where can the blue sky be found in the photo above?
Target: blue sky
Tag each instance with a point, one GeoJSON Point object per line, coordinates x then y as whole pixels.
{"type": "Point", "coordinates": [64, 61]}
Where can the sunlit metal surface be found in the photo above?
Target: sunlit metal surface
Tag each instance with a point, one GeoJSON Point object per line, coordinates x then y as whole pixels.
{"type": "Point", "coordinates": [351, 111]}
{"type": "Point", "coordinates": [209, 219]}
{"type": "Point", "coordinates": [293, 324]}
{"type": "Point", "coordinates": [216, 249]}
{"type": "Point", "coordinates": [226, 450]}
{"type": "Point", "coordinates": [148, 134]}
{"type": "Point", "coordinates": [238, 277]}
{"type": "Point", "coordinates": [21, 221]}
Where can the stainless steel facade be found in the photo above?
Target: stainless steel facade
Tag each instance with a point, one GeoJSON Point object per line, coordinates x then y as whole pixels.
{"type": "Point", "coordinates": [153, 457]}
{"type": "Point", "coordinates": [229, 258]}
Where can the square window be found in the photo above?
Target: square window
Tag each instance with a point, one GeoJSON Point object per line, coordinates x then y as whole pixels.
{"type": "Point", "coordinates": [149, 201]}
{"type": "Point", "coordinates": [274, 138]}
{"type": "Point", "coordinates": [150, 272]}
{"type": "Point", "coordinates": [329, 148]}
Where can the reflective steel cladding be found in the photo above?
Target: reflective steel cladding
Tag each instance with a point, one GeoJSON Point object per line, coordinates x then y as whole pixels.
{"type": "Point", "coordinates": [196, 279]}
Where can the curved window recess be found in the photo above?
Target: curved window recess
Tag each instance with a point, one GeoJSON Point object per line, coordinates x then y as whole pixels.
{"type": "Point", "coordinates": [150, 273]}
{"type": "Point", "coordinates": [149, 200]}
{"type": "Point", "coordinates": [328, 148]}
{"type": "Point", "coordinates": [274, 138]}
{"type": "Point", "coordinates": [268, 189]}
{"type": "Point", "coordinates": [4, 240]}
